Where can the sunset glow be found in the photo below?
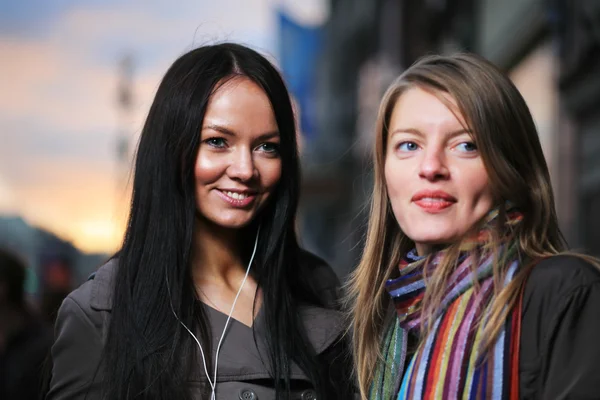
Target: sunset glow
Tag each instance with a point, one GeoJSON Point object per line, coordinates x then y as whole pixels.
{"type": "Point", "coordinates": [59, 115]}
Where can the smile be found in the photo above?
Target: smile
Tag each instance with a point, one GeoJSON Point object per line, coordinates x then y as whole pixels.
{"type": "Point", "coordinates": [433, 201]}
{"type": "Point", "coordinates": [431, 204]}
{"type": "Point", "coordinates": [237, 198]}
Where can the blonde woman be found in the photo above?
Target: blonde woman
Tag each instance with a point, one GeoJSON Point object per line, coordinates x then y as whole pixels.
{"type": "Point", "coordinates": [464, 289]}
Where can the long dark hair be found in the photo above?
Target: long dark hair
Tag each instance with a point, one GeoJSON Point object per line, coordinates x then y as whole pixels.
{"type": "Point", "coordinates": [147, 351]}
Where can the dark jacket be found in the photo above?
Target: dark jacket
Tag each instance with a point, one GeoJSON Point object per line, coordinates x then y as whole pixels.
{"type": "Point", "coordinates": [83, 321]}
{"type": "Point", "coordinates": [560, 331]}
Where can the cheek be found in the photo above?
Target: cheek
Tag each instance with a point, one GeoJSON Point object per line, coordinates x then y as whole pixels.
{"type": "Point", "coordinates": [395, 183]}
{"type": "Point", "coordinates": [478, 183]}
{"type": "Point", "coordinates": [207, 169]}
{"type": "Point", "coordinates": [394, 180]}
{"type": "Point", "coordinates": [270, 173]}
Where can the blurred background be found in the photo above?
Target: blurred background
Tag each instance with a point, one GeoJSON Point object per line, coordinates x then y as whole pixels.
{"type": "Point", "coordinates": [77, 79]}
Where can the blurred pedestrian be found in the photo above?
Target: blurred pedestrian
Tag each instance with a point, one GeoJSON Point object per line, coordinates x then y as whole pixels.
{"type": "Point", "coordinates": [465, 289]}
{"type": "Point", "coordinates": [24, 339]}
{"type": "Point", "coordinates": [210, 295]}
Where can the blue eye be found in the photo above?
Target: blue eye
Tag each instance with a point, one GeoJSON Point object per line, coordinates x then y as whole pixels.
{"type": "Point", "coordinates": [216, 142]}
{"type": "Point", "coordinates": [467, 147]}
{"type": "Point", "coordinates": [408, 146]}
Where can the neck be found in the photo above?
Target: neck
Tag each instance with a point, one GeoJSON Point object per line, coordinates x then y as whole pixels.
{"type": "Point", "coordinates": [218, 254]}
{"type": "Point", "coordinates": [423, 249]}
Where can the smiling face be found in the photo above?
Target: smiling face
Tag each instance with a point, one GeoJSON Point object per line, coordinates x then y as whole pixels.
{"type": "Point", "coordinates": [435, 177]}
{"type": "Point", "coordinates": [238, 164]}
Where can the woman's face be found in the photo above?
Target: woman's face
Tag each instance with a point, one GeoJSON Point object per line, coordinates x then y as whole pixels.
{"type": "Point", "coordinates": [435, 177]}
{"type": "Point", "coordinates": [238, 164]}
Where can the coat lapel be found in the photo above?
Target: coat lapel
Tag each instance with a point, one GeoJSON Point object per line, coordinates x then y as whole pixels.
{"type": "Point", "coordinates": [240, 358]}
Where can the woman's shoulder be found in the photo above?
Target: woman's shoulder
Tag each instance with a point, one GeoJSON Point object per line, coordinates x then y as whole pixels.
{"type": "Point", "coordinates": [318, 268]}
{"type": "Point", "coordinates": [559, 330]}
{"type": "Point", "coordinates": [322, 276]}
{"type": "Point", "coordinates": [95, 294]}
{"type": "Point", "coordinates": [79, 334]}
{"type": "Point", "coordinates": [562, 274]}
{"type": "Point", "coordinates": [555, 282]}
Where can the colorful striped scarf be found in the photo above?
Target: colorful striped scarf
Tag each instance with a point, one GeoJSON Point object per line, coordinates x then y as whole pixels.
{"type": "Point", "coordinates": [449, 362]}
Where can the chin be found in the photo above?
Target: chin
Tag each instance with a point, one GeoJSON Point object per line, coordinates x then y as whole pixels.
{"type": "Point", "coordinates": [226, 223]}
{"type": "Point", "coordinates": [430, 239]}
{"type": "Point", "coordinates": [233, 224]}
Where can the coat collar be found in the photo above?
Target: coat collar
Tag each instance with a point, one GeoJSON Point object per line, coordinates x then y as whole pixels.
{"type": "Point", "coordinates": [102, 286]}
{"type": "Point", "coordinates": [323, 326]}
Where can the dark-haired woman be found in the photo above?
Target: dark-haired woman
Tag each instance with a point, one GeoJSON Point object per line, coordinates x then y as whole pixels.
{"type": "Point", "coordinates": [210, 295]}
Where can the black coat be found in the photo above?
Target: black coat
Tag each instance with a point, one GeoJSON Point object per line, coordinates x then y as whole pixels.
{"type": "Point", "coordinates": [84, 316]}
{"type": "Point", "coordinates": [560, 331]}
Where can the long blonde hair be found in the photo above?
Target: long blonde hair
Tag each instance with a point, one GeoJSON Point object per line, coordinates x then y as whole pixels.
{"type": "Point", "coordinates": [507, 139]}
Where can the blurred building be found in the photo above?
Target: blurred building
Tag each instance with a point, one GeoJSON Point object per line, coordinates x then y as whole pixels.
{"type": "Point", "coordinates": [549, 48]}
{"type": "Point", "coordinates": [577, 29]}
{"type": "Point", "coordinates": [55, 265]}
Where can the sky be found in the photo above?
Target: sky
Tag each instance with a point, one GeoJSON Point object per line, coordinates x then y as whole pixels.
{"type": "Point", "coordinates": [59, 118]}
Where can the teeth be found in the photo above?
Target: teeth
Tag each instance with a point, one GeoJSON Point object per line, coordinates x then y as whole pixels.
{"type": "Point", "coordinates": [237, 196]}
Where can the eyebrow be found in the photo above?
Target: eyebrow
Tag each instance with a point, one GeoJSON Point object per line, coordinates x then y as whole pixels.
{"type": "Point", "coordinates": [229, 132]}
{"type": "Point", "coordinates": [419, 133]}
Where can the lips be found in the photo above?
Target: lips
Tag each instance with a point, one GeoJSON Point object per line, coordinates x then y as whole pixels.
{"type": "Point", "coordinates": [433, 201]}
{"type": "Point", "coordinates": [237, 197]}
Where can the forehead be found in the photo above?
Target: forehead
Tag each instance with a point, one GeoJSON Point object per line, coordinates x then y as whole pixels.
{"type": "Point", "coordinates": [241, 105]}
{"type": "Point", "coordinates": [421, 109]}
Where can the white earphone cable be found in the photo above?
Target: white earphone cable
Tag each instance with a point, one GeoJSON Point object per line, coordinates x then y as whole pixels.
{"type": "Point", "coordinates": [213, 382]}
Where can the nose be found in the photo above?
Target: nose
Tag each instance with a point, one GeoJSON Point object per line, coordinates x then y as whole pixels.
{"type": "Point", "coordinates": [242, 166]}
{"type": "Point", "coordinates": [433, 165]}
